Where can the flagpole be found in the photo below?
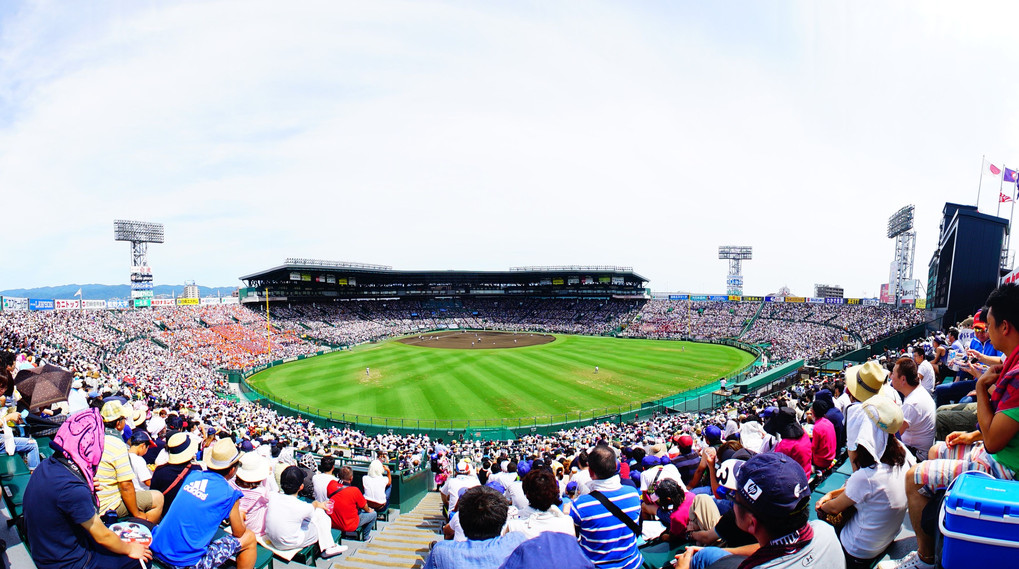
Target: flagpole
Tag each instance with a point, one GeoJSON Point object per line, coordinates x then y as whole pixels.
{"type": "Point", "coordinates": [1001, 180]}
{"type": "Point", "coordinates": [983, 160]}
{"type": "Point", "coordinates": [268, 337]}
{"type": "Point", "coordinates": [1015, 187]}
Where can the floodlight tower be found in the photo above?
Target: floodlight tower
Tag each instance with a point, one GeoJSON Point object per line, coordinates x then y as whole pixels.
{"type": "Point", "coordinates": [139, 234]}
{"type": "Point", "coordinates": [900, 228]}
{"type": "Point", "coordinates": [736, 254]}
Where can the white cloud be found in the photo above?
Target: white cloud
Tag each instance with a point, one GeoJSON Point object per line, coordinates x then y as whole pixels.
{"type": "Point", "coordinates": [471, 136]}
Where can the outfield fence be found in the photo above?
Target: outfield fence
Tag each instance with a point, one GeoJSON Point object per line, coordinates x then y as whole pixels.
{"type": "Point", "coordinates": [491, 429]}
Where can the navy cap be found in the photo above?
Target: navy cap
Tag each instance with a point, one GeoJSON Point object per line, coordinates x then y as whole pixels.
{"type": "Point", "coordinates": [713, 433]}
{"type": "Point", "coordinates": [772, 483]}
{"type": "Point", "coordinates": [571, 486]}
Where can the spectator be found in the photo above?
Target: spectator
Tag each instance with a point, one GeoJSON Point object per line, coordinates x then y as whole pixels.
{"type": "Point", "coordinates": [115, 479]}
{"type": "Point", "coordinates": [184, 538]}
{"type": "Point", "coordinates": [350, 510]}
{"type": "Point", "coordinates": [682, 512]}
{"type": "Point", "coordinates": [63, 527]}
{"type": "Point", "coordinates": [542, 512]}
{"type": "Point", "coordinates": [26, 446]}
{"type": "Point", "coordinates": [606, 541]}
{"type": "Point", "coordinates": [876, 488]}
{"type": "Point", "coordinates": [483, 513]}
{"type": "Point", "coordinates": [450, 490]}
{"type": "Point", "coordinates": [793, 442]}
{"type": "Point", "coordinates": [993, 447]}
{"type": "Point", "coordinates": [140, 443]}
{"type": "Point", "coordinates": [924, 369]}
{"type": "Point", "coordinates": [771, 502]}
{"type": "Point", "coordinates": [377, 484]}
{"type": "Point", "coordinates": [687, 461]}
{"type": "Point", "coordinates": [167, 478]}
{"type": "Point", "coordinates": [291, 523]}
{"type": "Point", "coordinates": [823, 440]}
{"type": "Point", "coordinates": [918, 409]}
{"type": "Point", "coordinates": [321, 480]}
{"type": "Point", "coordinates": [251, 481]}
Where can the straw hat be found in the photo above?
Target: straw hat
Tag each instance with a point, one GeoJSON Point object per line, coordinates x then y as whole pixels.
{"type": "Point", "coordinates": [221, 455]}
{"type": "Point", "coordinates": [865, 381]}
{"type": "Point", "coordinates": [181, 448]}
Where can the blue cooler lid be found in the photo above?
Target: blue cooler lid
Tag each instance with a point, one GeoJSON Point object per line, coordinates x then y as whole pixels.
{"type": "Point", "coordinates": [977, 504]}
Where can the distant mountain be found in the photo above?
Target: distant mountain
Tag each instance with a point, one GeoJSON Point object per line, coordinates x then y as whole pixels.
{"type": "Point", "coordinates": [106, 292]}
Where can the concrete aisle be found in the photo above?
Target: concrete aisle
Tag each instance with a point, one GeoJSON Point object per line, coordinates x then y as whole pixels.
{"type": "Point", "coordinates": [403, 542]}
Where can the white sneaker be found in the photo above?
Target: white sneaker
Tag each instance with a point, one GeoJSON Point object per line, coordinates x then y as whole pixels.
{"type": "Point", "coordinates": [333, 551]}
{"type": "Point", "coordinates": [911, 561]}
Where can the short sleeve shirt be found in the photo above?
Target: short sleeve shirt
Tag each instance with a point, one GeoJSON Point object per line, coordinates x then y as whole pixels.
{"type": "Point", "coordinates": [56, 503]}
{"type": "Point", "coordinates": [114, 468]}
{"type": "Point", "coordinates": [346, 504]}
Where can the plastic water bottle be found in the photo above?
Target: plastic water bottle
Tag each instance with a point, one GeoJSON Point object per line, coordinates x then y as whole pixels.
{"type": "Point", "coordinates": [8, 440]}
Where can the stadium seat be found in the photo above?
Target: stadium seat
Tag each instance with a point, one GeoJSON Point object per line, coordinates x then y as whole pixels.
{"type": "Point", "coordinates": [11, 465]}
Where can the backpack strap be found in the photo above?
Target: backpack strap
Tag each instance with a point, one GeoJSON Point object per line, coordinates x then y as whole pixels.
{"type": "Point", "coordinates": [616, 511]}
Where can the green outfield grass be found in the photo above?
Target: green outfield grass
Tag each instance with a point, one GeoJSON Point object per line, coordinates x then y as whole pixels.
{"type": "Point", "coordinates": [415, 382]}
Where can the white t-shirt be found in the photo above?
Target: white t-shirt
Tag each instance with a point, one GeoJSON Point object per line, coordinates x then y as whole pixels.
{"type": "Point", "coordinates": [822, 552]}
{"type": "Point", "coordinates": [141, 471]}
{"type": "Point", "coordinates": [879, 492]}
{"type": "Point", "coordinates": [843, 401]}
{"type": "Point", "coordinates": [375, 488]}
{"type": "Point", "coordinates": [452, 487]}
{"type": "Point", "coordinates": [583, 480]}
{"type": "Point", "coordinates": [320, 482]}
{"type": "Point", "coordinates": [926, 372]}
{"type": "Point", "coordinates": [287, 520]}
{"type": "Point", "coordinates": [667, 471]}
{"type": "Point", "coordinates": [531, 522]}
{"type": "Point", "coordinates": [919, 411]}
{"type": "Point", "coordinates": [515, 494]}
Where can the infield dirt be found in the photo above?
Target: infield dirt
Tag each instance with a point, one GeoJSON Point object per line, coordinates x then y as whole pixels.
{"type": "Point", "coordinates": [474, 340]}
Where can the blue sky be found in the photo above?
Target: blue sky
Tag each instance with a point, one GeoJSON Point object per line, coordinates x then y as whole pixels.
{"type": "Point", "coordinates": [456, 135]}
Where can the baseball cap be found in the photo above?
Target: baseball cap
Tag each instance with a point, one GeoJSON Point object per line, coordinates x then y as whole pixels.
{"type": "Point", "coordinates": [772, 484]}
{"type": "Point", "coordinates": [571, 486]}
{"type": "Point", "coordinates": [979, 321]}
{"type": "Point", "coordinates": [713, 433]}
{"type": "Point", "coordinates": [141, 438]}
{"type": "Point", "coordinates": [649, 461]}
{"type": "Point", "coordinates": [685, 441]}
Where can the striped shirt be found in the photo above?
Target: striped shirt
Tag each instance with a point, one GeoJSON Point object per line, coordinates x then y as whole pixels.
{"type": "Point", "coordinates": [115, 467]}
{"type": "Point", "coordinates": [605, 539]}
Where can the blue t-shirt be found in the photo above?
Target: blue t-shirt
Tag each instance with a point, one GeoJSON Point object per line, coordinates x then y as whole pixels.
{"type": "Point", "coordinates": [985, 348]}
{"type": "Point", "coordinates": [56, 503]}
{"type": "Point", "coordinates": [183, 536]}
{"type": "Point", "coordinates": [470, 554]}
{"type": "Point", "coordinates": [605, 539]}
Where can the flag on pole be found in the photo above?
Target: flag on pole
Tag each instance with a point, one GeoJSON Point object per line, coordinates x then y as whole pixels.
{"type": "Point", "coordinates": [1004, 198]}
{"type": "Point", "coordinates": [994, 170]}
{"type": "Point", "coordinates": [1011, 176]}
{"type": "Point", "coordinates": [78, 293]}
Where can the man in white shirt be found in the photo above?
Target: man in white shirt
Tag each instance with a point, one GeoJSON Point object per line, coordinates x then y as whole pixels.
{"type": "Point", "coordinates": [320, 481]}
{"type": "Point", "coordinates": [582, 476]}
{"type": "Point", "coordinates": [918, 409]}
{"type": "Point", "coordinates": [924, 369]}
{"type": "Point", "coordinates": [464, 478]}
{"type": "Point", "coordinates": [291, 523]}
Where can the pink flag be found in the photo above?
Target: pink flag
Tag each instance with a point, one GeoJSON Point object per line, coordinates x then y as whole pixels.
{"type": "Point", "coordinates": [994, 169]}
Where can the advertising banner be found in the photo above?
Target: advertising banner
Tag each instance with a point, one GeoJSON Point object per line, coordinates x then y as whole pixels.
{"type": "Point", "coordinates": [163, 302]}
{"type": "Point", "coordinates": [921, 303]}
{"type": "Point", "coordinates": [587, 280]}
{"type": "Point", "coordinates": [187, 302]}
{"type": "Point", "coordinates": [229, 300]}
{"type": "Point", "coordinates": [37, 304]}
{"type": "Point", "coordinates": [679, 297]}
{"type": "Point", "coordinates": [558, 281]}
{"type": "Point", "coordinates": [718, 297]}
{"type": "Point", "coordinates": [753, 298]}
{"type": "Point", "coordinates": [834, 301]}
{"type": "Point", "coordinates": [870, 302]}
{"type": "Point", "coordinates": [341, 281]}
{"type": "Point", "coordinates": [573, 280]}
{"type": "Point", "coordinates": [774, 299]}
{"type": "Point", "coordinates": [141, 294]}
{"type": "Point", "coordinates": [886, 295]}
{"type": "Point", "coordinates": [94, 304]}
{"type": "Point", "coordinates": [852, 301]}
{"type": "Point", "coordinates": [545, 282]}
{"type": "Point", "coordinates": [813, 300]}
{"type": "Point", "coordinates": [604, 280]}
{"type": "Point", "coordinates": [295, 276]}
{"type": "Point", "coordinates": [698, 297]}
{"type": "Point", "coordinates": [142, 302]}
{"type": "Point", "coordinates": [735, 298]}
{"type": "Point", "coordinates": [209, 300]}
{"type": "Point", "coordinates": [141, 286]}
{"type": "Point", "coordinates": [795, 299]}
{"type": "Point", "coordinates": [14, 303]}
{"type": "Point", "coordinates": [305, 277]}
{"type": "Point", "coordinates": [617, 280]}
{"type": "Point", "coordinates": [330, 279]}
{"type": "Point", "coordinates": [117, 304]}
{"type": "Point", "coordinates": [60, 304]}
{"type": "Point", "coordinates": [1011, 277]}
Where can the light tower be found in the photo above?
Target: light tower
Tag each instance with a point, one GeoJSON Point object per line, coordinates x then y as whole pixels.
{"type": "Point", "coordinates": [139, 234]}
{"type": "Point", "coordinates": [900, 226]}
{"type": "Point", "coordinates": [736, 254]}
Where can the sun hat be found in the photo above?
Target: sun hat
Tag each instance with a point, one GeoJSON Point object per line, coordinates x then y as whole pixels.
{"type": "Point", "coordinates": [113, 411]}
{"type": "Point", "coordinates": [181, 448]}
{"type": "Point", "coordinates": [253, 468]}
{"type": "Point", "coordinates": [221, 455]}
{"type": "Point", "coordinates": [784, 424]}
{"type": "Point", "coordinates": [884, 413]}
{"type": "Point", "coordinates": [772, 484]}
{"type": "Point", "coordinates": [864, 381]}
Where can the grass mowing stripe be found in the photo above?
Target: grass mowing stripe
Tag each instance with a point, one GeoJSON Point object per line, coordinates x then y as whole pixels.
{"type": "Point", "coordinates": [425, 383]}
